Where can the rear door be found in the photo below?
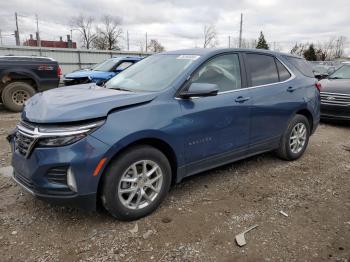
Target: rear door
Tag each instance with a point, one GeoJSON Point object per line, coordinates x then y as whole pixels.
{"type": "Point", "coordinates": [217, 127]}
{"type": "Point", "coordinates": [273, 99]}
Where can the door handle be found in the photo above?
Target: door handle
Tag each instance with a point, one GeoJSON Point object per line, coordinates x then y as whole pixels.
{"type": "Point", "coordinates": [291, 89]}
{"type": "Point", "coordinates": [241, 99]}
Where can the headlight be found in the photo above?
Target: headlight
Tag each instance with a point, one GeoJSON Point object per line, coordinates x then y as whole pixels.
{"type": "Point", "coordinates": [60, 140]}
{"type": "Point", "coordinates": [65, 135]}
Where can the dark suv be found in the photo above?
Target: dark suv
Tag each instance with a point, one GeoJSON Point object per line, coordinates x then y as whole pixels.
{"type": "Point", "coordinates": [167, 117]}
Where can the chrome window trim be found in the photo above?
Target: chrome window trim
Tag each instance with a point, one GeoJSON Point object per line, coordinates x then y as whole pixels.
{"type": "Point", "coordinates": [292, 76]}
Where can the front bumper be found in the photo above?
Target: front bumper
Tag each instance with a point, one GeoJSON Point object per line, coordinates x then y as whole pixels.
{"type": "Point", "coordinates": [43, 173]}
{"type": "Point", "coordinates": [76, 81]}
{"type": "Point", "coordinates": [87, 202]}
{"type": "Point", "coordinates": [335, 112]}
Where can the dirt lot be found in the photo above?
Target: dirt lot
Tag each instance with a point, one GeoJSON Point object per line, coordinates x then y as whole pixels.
{"type": "Point", "coordinates": [202, 215]}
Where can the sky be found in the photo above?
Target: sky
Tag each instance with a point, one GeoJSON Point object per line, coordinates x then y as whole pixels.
{"type": "Point", "coordinates": [178, 24]}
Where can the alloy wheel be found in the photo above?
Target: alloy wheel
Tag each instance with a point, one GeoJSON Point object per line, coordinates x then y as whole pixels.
{"type": "Point", "coordinates": [140, 184]}
{"type": "Point", "coordinates": [297, 138]}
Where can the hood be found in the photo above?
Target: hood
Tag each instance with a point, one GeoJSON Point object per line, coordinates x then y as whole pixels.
{"type": "Point", "coordinates": [335, 85]}
{"type": "Point", "coordinates": [90, 73]}
{"type": "Point", "coordinates": [80, 102]}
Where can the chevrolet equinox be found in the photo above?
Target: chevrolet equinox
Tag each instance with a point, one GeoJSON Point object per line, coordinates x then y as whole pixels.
{"type": "Point", "coordinates": [167, 117]}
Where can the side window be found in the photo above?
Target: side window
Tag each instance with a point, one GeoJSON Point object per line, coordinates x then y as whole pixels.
{"type": "Point", "coordinates": [282, 71]}
{"type": "Point", "coordinates": [262, 69]}
{"type": "Point", "coordinates": [223, 70]}
{"type": "Point", "coordinates": [123, 65]}
{"type": "Point", "coordinates": [302, 65]}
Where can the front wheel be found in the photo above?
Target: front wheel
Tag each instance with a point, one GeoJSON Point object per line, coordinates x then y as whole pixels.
{"type": "Point", "coordinates": [295, 139]}
{"type": "Point", "coordinates": [136, 183]}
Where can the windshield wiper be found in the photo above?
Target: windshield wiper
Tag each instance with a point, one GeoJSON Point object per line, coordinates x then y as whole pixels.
{"type": "Point", "coordinates": [119, 89]}
{"type": "Point", "coordinates": [335, 77]}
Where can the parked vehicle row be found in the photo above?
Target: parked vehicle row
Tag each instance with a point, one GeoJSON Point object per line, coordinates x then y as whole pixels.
{"type": "Point", "coordinates": [23, 76]}
{"type": "Point", "coordinates": [167, 117]}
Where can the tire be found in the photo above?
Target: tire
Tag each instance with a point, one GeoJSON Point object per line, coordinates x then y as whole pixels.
{"type": "Point", "coordinates": [121, 169]}
{"type": "Point", "coordinates": [15, 94]}
{"type": "Point", "coordinates": [293, 146]}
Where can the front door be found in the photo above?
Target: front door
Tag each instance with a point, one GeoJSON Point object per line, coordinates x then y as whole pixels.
{"type": "Point", "coordinates": [216, 127]}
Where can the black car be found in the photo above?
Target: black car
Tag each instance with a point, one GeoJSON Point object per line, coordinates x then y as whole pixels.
{"type": "Point", "coordinates": [335, 95]}
{"type": "Point", "coordinates": [23, 76]}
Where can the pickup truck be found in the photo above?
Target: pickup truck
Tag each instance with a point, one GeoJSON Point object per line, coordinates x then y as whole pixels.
{"type": "Point", "coordinates": [23, 76]}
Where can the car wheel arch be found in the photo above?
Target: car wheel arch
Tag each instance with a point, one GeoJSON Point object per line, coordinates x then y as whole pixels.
{"type": "Point", "coordinates": [157, 143]}
{"type": "Point", "coordinates": [10, 76]}
{"type": "Point", "coordinates": [308, 115]}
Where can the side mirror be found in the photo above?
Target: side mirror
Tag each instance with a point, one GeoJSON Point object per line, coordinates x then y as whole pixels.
{"type": "Point", "coordinates": [200, 90]}
{"type": "Point", "coordinates": [100, 82]}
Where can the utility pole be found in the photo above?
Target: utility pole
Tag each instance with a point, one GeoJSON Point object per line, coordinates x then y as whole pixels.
{"type": "Point", "coordinates": [229, 41]}
{"type": "Point", "coordinates": [240, 32]}
{"type": "Point", "coordinates": [127, 39]}
{"type": "Point", "coordinates": [18, 42]}
{"type": "Point", "coordinates": [37, 31]}
{"type": "Point", "coordinates": [146, 42]}
{"type": "Point", "coordinates": [0, 38]}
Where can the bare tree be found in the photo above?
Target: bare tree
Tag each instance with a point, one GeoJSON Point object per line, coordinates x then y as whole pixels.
{"type": "Point", "coordinates": [84, 25]}
{"type": "Point", "coordinates": [210, 36]}
{"type": "Point", "coordinates": [155, 46]}
{"type": "Point", "coordinates": [326, 50]}
{"type": "Point", "coordinates": [339, 47]}
{"type": "Point", "coordinates": [299, 49]}
{"type": "Point", "coordinates": [108, 34]}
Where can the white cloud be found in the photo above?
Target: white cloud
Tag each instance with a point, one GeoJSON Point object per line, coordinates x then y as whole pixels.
{"type": "Point", "coordinates": [179, 23]}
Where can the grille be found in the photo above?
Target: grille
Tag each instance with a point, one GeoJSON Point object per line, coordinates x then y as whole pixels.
{"type": "Point", "coordinates": [57, 175]}
{"type": "Point", "coordinates": [24, 143]}
{"type": "Point", "coordinates": [335, 99]}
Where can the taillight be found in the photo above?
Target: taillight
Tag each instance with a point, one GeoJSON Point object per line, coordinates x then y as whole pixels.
{"type": "Point", "coordinates": [318, 86]}
{"type": "Point", "coordinates": [59, 71]}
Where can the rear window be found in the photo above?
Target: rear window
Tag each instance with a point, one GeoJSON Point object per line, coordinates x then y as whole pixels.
{"type": "Point", "coordinates": [302, 65]}
{"type": "Point", "coordinates": [282, 71]}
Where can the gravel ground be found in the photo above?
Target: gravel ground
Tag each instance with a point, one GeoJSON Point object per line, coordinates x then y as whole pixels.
{"type": "Point", "coordinates": [202, 215]}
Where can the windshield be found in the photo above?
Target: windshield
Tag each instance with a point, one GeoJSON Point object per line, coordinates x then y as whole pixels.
{"type": "Point", "coordinates": [153, 73]}
{"type": "Point", "coordinates": [342, 73]}
{"type": "Point", "coordinates": [105, 66]}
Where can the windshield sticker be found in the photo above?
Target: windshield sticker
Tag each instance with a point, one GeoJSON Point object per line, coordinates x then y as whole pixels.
{"type": "Point", "coordinates": [188, 57]}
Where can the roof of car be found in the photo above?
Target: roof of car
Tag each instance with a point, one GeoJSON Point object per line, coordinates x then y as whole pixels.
{"type": "Point", "coordinates": [26, 58]}
{"type": "Point", "coordinates": [213, 51]}
{"type": "Point", "coordinates": [130, 58]}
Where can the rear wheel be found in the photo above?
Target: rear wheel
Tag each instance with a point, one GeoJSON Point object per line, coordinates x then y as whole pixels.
{"type": "Point", "coordinates": [15, 94]}
{"type": "Point", "coordinates": [295, 139]}
{"type": "Point", "coordinates": [136, 183]}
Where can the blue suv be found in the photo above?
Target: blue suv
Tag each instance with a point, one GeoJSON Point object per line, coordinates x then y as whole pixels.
{"type": "Point", "coordinates": [102, 72]}
{"type": "Point", "coordinates": [169, 116]}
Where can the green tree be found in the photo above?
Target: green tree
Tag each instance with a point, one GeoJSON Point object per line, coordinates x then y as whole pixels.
{"type": "Point", "coordinates": [262, 44]}
{"type": "Point", "coordinates": [310, 53]}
